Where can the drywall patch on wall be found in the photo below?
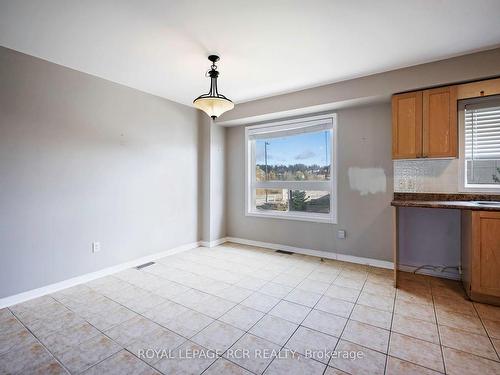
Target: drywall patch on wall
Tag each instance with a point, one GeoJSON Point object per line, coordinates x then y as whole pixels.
{"type": "Point", "coordinates": [367, 180]}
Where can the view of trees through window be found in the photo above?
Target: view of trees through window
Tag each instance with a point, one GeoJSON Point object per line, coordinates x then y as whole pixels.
{"type": "Point", "coordinates": [292, 200]}
{"type": "Point", "coordinates": [297, 157]}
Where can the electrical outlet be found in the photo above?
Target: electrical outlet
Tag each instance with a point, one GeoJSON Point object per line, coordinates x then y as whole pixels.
{"type": "Point", "coordinates": [96, 247]}
{"type": "Point", "coordinates": [341, 234]}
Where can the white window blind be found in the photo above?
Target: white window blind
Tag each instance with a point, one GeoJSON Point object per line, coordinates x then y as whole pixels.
{"type": "Point", "coordinates": [482, 130]}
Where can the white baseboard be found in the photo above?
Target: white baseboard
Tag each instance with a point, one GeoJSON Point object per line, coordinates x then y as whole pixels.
{"type": "Point", "coordinates": [213, 243]}
{"type": "Point", "coordinates": [52, 288]}
{"type": "Point", "coordinates": [316, 253]}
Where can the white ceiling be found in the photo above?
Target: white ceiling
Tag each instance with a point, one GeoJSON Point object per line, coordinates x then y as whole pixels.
{"type": "Point", "coordinates": [267, 47]}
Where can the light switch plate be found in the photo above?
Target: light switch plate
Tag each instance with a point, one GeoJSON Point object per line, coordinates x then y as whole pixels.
{"type": "Point", "coordinates": [341, 234]}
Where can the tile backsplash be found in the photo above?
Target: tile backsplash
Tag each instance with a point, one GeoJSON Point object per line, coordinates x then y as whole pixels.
{"type": "Point", "coordinates": [426, 176]}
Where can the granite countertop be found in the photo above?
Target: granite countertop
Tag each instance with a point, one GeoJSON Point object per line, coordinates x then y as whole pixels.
{"type": "Point", "coordinates": [450, 201]}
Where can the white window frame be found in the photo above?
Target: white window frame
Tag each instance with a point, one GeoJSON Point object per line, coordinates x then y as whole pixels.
{"type": "Point", "coordinates": [330, 185]}
{"type": "Point", "coordinates": [463, 186]}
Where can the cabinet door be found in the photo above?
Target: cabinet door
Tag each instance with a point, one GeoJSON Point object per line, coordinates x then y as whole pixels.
{"type": "Point", "coordinates": [486, 253]}
{"type": "Point", "coordinates": [407, 125]}
{"type": "Point", "coordinates": [440, 126]}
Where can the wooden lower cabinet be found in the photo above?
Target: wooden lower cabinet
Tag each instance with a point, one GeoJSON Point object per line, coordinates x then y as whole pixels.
{"type": "Point", "coordinates": [481, 255]}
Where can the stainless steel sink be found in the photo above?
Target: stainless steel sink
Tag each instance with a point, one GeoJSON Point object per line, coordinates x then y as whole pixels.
{"type": "Point", "coordinates": [487, 203]}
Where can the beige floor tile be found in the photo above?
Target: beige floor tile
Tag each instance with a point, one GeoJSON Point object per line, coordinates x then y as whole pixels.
{"type": "Point", "coordinates": [416, 351]}
{"type": "Point", "coordinates": [256, 361]}
{"type": "Point", "coordinates": [396, 366]}
{"type": "Point", "coordinates": [218, 336]}
{"type": "Point", "coordinates": [189, 324]}
{"type": "Point", "coordinates": [295, 364]}
{"type": "Point", "coordinates": [21, 360]}
{"type": "Point", "coordinates": [165, 312]}
{"type": "Point", "coordinates": [275, 290]}
{"type": "Point", "coordinates": [234, 294]}
{"type": "Point", "coordinates": [214, 307]}
{"type": "Point", "coordinates": [496, 344]}
{"type": "Point", "coordinates": [369, 315]}
{"type": "Point", "coordinates": [464, 322]}
{"type": "Point", "coordinates": [88, 353]}
{"type": "Point", "coordinates": [413, 310]}
{"type": "Point", "coordinates": [323, 276]}
{"type": "Point", "coordinates": [111, 318]}
{"type": "Point", "coordinates": [417, 328]}
{"type": "Point", "coordinates": [64, 339]}
{"type": "Point", "coordinates": [242, 317]}
{"type": "Point", "coordinates": [467, 342]}
{"type": "Point", "coordinates": [460, 363]}
{"type": "Point", "coordinates": [334, 371]}
{"type": "Point", "coordinates": [456, 304]}
{"type": "Point", "coordinates": [347, 282]}
{"type": "Point", "coordinates": [335, 306]}
{"type": "Point", "coordinates": [289, 280]}
{"type": "Point", "coordinates": [492, 327]}
{"type": "Point", "coordinates": [224, 367]}
{"type": "Point", "coordinates": [344, 293]}
{"type": "Point", "coordinates": [151, 346]}
{"type": "Point", "coordinates": [313, 286]}
{"type": "Point", "coordinates": [325, 322]}
{"type": "Point", "coordinates": [190, 358]}
{"type": "Point", "coordinates": [191, 298]}
{"type": "Point", "coordinates": [10, 324]}
{"type": "Point", "coordinates": [121, 363]}
{"type": "Point", "coordinates": [378, 289]}
{"type": "Point", "coordinates": [423, 298]}
{"type": "Point", "coordinates": [261, 302]}
{"type": "Point", "coordinates": [369, 361]}
{"type": "Point", "coordinates": [376, 301]}
{"type": "Point", "coordinates": [488, 312]}
{"type": "Point", "coordinates": [303, 297]}
{"type": "Point", "coordinates": [146, 302]}
{"type": "Point", "coordinates": [16, 340]}
{"type": "Point", "coordinates": [131, 330]}
{"type": "Point", "coordinates": [251, 283]}
{"type": "Point", "coordinates": [312, 344]}
{"type": "Point", "coordinates": [274, 329]}
{"type": "Point", "coordinates": [366, 335]}
{"type": "Point", "coordinates": [290, 311]}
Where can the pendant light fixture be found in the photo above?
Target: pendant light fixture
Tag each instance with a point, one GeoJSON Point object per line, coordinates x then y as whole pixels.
{"type": "Point", "coordinates": [213, 103]}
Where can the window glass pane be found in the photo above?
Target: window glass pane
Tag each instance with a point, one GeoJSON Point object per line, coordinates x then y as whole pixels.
{"type": "Point", "coordinates": [486, 172]}
{"type": "Point", "coordinates": [482, 144]}
{"type": "Point", "coordinates": [292, 200]}
{"type": "Point", "coordinates": [299, 157]}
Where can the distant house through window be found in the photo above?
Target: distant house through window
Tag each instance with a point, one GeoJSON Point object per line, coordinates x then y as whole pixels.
{"type": "Point", "coordinates": [480, 144]}
{"type": "Point", "coordinates": [291, 169]}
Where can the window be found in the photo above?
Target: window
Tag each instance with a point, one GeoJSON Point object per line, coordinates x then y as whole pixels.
{"type": "Point", "coordinates": [291, 169]}
{"type": "Point", "coordinates": [480, 144]}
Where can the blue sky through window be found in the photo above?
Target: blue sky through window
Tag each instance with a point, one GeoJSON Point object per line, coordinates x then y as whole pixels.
{"type": "Point", "coordinates": [306, 148]}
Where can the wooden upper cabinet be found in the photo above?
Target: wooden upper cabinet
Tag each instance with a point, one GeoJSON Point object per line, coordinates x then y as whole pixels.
{"type": "Point", "coordinates": [485, 277]}
{"type": "Point", "coordinates": [439, 123]}
{"type": "Point", "coordinates": [407, 125]}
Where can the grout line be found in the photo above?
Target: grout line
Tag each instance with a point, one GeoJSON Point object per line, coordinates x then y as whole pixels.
{"type": "Point", "coordinates": [284, 268]}
{"type": "Point", "coordinates": [390, 329]}
{"type": "Point", "coordinates": [485, 330]}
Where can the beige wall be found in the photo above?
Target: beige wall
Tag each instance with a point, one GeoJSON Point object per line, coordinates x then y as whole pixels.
{"type": "Point", "coordinates": [364, 141]}
{"type": "Point", "coordinates": [81, 160]}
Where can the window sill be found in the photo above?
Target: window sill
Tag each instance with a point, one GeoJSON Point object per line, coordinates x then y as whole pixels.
{"type": "Point", "coordinates": [326, 219]}
{"type": "Point", "coordinates": [493, 189]}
